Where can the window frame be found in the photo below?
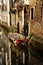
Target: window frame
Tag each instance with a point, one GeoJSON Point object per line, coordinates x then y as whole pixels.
{"type": "Point", "coordinates": [31, 14]}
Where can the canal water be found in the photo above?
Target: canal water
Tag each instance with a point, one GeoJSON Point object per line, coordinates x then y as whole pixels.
{"type": "Point", "coordinates": [35, 59]}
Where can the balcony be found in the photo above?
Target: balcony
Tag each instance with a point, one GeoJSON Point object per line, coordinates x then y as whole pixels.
{"type": "Point", "coordinates": [16, 2]}
{"type": "Point", "coordinates": [23, 1]}
{"type": "Point", "coordinates": [19, 4]}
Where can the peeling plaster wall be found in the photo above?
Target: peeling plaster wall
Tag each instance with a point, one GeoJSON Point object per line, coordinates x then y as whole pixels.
{"type": "Point", "coordinates": [36, 25]}
{"type": "Point", "coordinates": [32, 2]}
{"type": "Point", "coordinates": [36, 28]}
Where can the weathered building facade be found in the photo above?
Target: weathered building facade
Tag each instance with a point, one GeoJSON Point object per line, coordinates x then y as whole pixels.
{"type": "Point", "coordinates": [31, 13]}
{"type": "Point", "coordinates": [18, 12]}
{"type": "Point", "coordinates": [5, 44]}
{"type": "Point", "coordinates": [36, 23]}
{"type": "Point", "coordinates": [5, 9]}
{"type": "Point", "coordinates": [24, 15]}
{"type": "Point", "coordinates": [0, 8]}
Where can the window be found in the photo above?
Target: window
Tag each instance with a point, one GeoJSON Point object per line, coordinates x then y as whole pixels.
{"type": "Point", "coordinates": [42, 12]}
{"type": "Point", "coordinates": [31, 14]}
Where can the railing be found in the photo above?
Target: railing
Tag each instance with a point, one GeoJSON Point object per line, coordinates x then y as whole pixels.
{"type": "Point", "coordinates": [18, 0]}
{"type": "Point", "coordinates": [15, 1]}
